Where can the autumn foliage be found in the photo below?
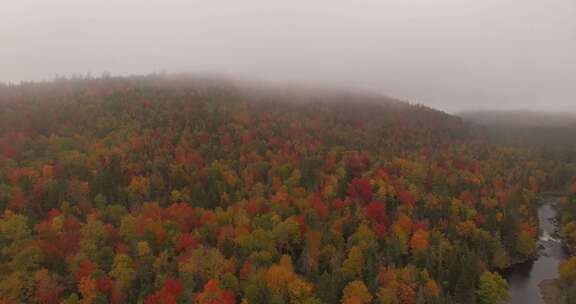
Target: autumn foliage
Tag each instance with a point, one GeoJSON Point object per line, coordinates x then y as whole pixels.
{"type": "Point", "coordinates": [165, 189]}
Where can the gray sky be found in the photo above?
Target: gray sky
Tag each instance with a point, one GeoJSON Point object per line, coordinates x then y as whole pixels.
{"type": "Point", "coordinates": [449, 54]}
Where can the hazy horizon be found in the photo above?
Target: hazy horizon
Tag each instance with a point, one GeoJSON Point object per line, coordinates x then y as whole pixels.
{"type": "Point", "coordinates": [448, 54]}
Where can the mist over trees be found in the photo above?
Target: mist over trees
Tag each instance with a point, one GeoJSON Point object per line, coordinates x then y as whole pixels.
{"type": "Point", "coordinates": [165, 189]}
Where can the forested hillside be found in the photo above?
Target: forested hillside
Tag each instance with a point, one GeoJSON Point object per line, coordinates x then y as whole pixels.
{"type": "Point", "coordinates": [521, 118]}
{"type": "Point", "coordinates": [174, 190]}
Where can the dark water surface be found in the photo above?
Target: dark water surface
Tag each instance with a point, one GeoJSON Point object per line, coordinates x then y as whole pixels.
{"type": "Point", "coordinates": [523, 279]}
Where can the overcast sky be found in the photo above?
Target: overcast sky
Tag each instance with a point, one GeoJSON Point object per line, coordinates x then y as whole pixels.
{"type": "Point", "coordinates": [449, 54]}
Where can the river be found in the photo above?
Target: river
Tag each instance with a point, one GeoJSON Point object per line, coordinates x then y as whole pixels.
{"type": "Point", "coordinates": [523, 279]}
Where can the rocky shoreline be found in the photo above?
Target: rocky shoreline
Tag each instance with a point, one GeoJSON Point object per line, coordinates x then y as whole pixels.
{"type": "Point", "coordinates": [570, 248]}
{"type": "Point", "coordinates": [550, 249]}
{"type": "Point", "coordinates": [550, 291]}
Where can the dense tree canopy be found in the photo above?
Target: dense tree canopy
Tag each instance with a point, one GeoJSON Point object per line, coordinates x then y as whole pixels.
{"type": "Point", "coordinates": [169, 190]}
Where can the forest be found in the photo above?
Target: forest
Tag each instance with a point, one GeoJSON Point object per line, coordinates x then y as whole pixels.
{"type": "Point", "coordinates": [173, 189]}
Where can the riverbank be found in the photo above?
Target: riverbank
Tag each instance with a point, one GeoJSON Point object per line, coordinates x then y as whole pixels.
{"type": "Point", "coordinates": [534, 282]}
{"type": "Point", "coordinates": [570, 248]}
{"type": "Point", "coordinates": [568, 244]}
{"type": "Point", "coordinates": [550, 291]}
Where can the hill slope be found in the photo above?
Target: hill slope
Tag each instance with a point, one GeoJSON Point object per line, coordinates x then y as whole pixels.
{"type": "Point", "coordinates": [520, 118]}
{"type": "Point", "coordinates": [173, 189]}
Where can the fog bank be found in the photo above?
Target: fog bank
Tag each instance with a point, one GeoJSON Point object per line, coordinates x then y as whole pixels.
{"type": "Point", "coordinates": [450, 54]}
